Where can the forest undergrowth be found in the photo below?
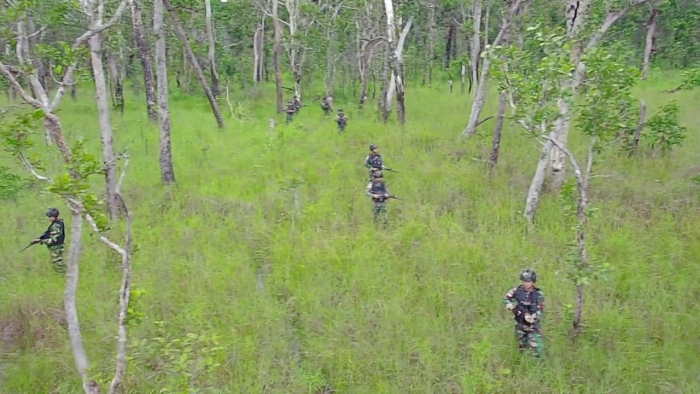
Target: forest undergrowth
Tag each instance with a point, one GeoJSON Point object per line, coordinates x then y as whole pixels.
{"type": "Point", "coordinates": [261, 270]}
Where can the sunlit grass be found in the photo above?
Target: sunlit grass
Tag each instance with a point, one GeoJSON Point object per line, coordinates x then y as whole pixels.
{"type": "Point", "coordinates": [413, 309]}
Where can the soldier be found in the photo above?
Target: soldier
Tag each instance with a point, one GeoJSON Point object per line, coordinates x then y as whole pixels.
{"type": "Point", "coordinates": [377, 190]}
{"type": "Point", "coordinates": [527, 304]}
{"type": "Point", "coordinates": [53, 238]}
{"type": "Point", "coordinates": [327, 105]}
{"type": "Point", "coordinates": [341, 120]}
{"type": "Point", "coordinates": [297, 104]}
{"type": "Point", "coordinates": [290, 111]}
{"type": "Point", "coordinates": [374, 162]}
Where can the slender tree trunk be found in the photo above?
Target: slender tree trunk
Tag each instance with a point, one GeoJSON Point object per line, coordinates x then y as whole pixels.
{"type": "Point", "coordinates": [476, 44]}
{"type": "Point", "coordinates": [394, 61]}
{"type": "Point", "coordinates": [277, 49]}
{"type": "Point", "coordinates": [448, 45]}
{"type": "Point", "coordinates": [141, 43]}
{"type": "Point", "coordinates": [167, 172]}
{"type": "Point", "coordinates": [82, 363]}
{"type": "Point", "coordinates": [211, 55]}
{"type": "Point", "coordinates": [397, 53]}
{"type": "Point", "coordinates": [498, 132]}
{"type": "Point", "coordinates": [106, 135]}
{"type": "Point", "coordinates": [182, 35]}
{"type": "Point", "coordinates": [483, 84]}
{"type": "Point", "coordinates": [649, 47]}
{"type": "Point", "coordinates": [117, 80]}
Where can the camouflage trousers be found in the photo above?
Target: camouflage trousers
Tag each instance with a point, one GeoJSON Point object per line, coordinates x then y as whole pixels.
{"type": "Point", "coordinates": [529, 339]}
{"type": "Point", "coordinates": [57, 259]}
{"type": "Point", "coordinates": [341, 127]}
{"type": "Point", "coordinates": [290, 117]}
{"type": "Point", "coordinates": [379, 212]}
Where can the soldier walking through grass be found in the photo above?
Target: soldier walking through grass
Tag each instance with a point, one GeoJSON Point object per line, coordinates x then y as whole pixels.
{"type": "Point", "coordinates": [290, 111]}
{"type": "Point", "coordinates": [374, 162]}
{"type": "Point", "coordinates": [527, 304]}
{"type": "Point", "coordinates": [341, 120]}
{"type": "Point", "coordinates": [327, 105]}
{"type": "Point", "coordinates": [379, 193]}
{"type": "Point", "coordinates": [54, 238]}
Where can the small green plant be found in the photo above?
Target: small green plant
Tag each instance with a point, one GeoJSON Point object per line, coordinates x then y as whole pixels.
{"type": "Point", "coordinates": [665, 132]}
{"type": "Point", "coordinates": [182, 364]}
{"type": "Point", "coordinates": [10, 184]}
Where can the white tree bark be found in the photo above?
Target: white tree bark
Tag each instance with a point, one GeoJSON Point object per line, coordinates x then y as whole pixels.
{"type": "Point", "coordinates": [476, 42]}
{"type": "Point", "coordinates": [576, 13]}
{"type": "Point", "coordinates": [649, 47]}
{"type": "Point", "coordinates": [394, 62]}
{"type": "Point", "coordinates": [211, 54]}
{"type": "Point", "coordinates": [102, 99]}
{"type": "Point", "coordinates": [167, 171]}
{"type": "Point", "coordinates": [399, 56]}
{"type": "Point", "coordinates": [484, 82]}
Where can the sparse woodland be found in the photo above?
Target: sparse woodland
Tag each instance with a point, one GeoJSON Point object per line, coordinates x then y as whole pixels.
{"type": "Point", "coordinates": [212, 248]}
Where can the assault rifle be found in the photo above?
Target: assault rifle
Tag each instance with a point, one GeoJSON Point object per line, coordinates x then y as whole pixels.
{"type": "Point", "coordinates": [519, 311]}
{"type": "Point", "coordinates": [382, 198]}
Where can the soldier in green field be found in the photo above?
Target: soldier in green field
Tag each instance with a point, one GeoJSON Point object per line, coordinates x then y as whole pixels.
{"type": "Point", "coordinates": [327, 105]}
{"type": "Point", "coordinates": [54, 238]}
{"type": "Point", "coordinates": [377, 190]}
{"type": "Point", "coordinates": [290, 111]}
{"type": "Point", "coordinates": [527, 304]}
{"type": "Point", "coordinates": [341, 120]}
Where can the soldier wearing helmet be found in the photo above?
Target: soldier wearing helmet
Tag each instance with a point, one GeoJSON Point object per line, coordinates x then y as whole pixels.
{"type": "Point", "coordinates": [341, 120]}
{"type": "Point", "coordinates": [54, 238]}
{"type": "Point", "coordinates": [377, 190]}
{"type": "Point", "coordinates": [527, 304]}
{"type": "Point", "coordinates": [374, 162]}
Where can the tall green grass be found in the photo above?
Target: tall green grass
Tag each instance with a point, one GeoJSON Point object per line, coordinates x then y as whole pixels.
{"type": "Point", "coordinates": [267, 241]}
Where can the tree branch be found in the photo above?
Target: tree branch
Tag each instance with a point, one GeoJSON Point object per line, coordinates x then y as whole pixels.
{"type": "Point", "coordinates": [79, 42]}
{"type": "Point", "coordinates": [17, 87]}
{"type": "Point", "coordinates": [33, 170]}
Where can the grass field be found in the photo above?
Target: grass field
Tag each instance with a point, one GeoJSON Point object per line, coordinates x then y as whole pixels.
{"type": "Point", "coordinates": [267, 242]}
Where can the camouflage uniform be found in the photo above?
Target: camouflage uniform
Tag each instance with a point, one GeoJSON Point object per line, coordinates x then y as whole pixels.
{"type": "Point", "coordinates": [54, 238]}
{"type": "Point", "coordinates": [341, 120]}
{"type": "Point", "coordinates": [326, 106]}
{"type": "Point", "coordinates": [374, 188]}
{"type": "Point", "coordinates": [374, 162]}
{"type": "Point", "coordinates": [525, 303]}
{"type": "Point", "coordinates": [297, 104]}
{"type": "Point", "coordinates": [290, 111]}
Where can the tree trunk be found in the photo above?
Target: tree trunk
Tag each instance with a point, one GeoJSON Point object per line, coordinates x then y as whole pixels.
{"type": "Point", "coordinates": [182, 36]}
{"type": "Point", "coordinates": [640, 126]}
{"type": "Point", "coordinates": [649, 47]}
{"type": "Point", "coordinates": [386, 74]}
{"type": "Point", "coordinates": [476, 44]}
{"type": "Point", "coordinates": [142, 44]}
{"type": "Point", "coordinates": [82, 363]}
{"type": "Point", "coordinates": [394, 61]}
{"type": "Point", "coordinates": [484, 83]}
{"type": "Point", "coordinates": [116, 78]}
{"type": "Point", "coordinates": [167, 172]}
{"type": "Point", "coordinates": [106, 136]}
{"type": "Point", "coordinates": [397, 52]}
{"type": "Point", "coordinates": [211, 54]}
{"type": "Point", "coordinates": [277, 49]}
{"type": "Point", "coordinates": [448, 45]}
{"type": "Point", "coordinates": [535, 190]}
{"type": "Point", "coordinates": [498, 132]}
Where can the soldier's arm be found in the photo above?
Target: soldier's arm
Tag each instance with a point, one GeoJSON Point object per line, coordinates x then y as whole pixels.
{"type": "Point", "coordinates": [55, 231]}
{"type": "Point", "coordinates": [509, 298]}
{"type": "Point", "coordinates": [367, 162]}
{"type": "Point", "coordinates": [540, 305]}
{"type": "Point", "coordinates": [369, 189]}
